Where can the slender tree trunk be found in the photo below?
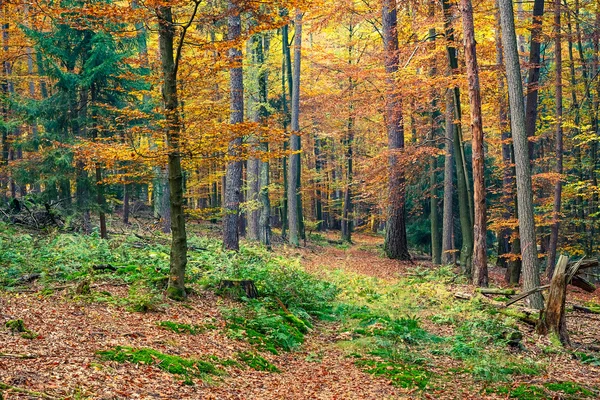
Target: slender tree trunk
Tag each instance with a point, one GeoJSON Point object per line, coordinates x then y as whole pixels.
{"type": "Point", "coordinates": [448, 256]}
{"type": "Point", "coordinates": [176, 288]}
{"type": "Point", "coordinates": [480, 271]}
{"type": "Point", "coordinates": [347, 211]}
{"type": "Point", "coordinates": [436, 243]}
{"type": "Point", "coordinates": [534, 73]}
{"type": "Point", "coordinates": [396, 243]}
{"type": "Point", "coordinates": [318, 184]}
{"type": "Point", "coordinates": [286, 86]}
{"type": "Point", "coordinates": [558, 98]}
{"type": "Point", "coordinates": [294, 199]}
{"type": "Point", "coordinates": [465, 199]}
{"type": "Point", "coordinates": [531, 278]}
{"type": "Point", "coordinates": [233, 177]}
{"type": "Point", "coordinates": [507, 169]}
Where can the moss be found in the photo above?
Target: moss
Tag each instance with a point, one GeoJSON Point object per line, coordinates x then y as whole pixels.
{"type": "Point", "coordinates": [182, 328]}
{"type": "Point", "coordinates": [402, 375]}
{"type": "Point", "coordinates": [16, 325]}
{"type": "Point", "coordinates": [185, 367]}
{"type": "Point", "coordinates": [570, 388]}
{"type": "Point", "coordinates": [175, 293]}
{"type": "Point", "coordinates": [256, 362]}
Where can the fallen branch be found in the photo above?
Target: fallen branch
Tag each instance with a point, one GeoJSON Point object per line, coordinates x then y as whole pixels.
{"type": "Point", "coordinates": [20, 356]}
{"type": "Point", "coordinates": [583, 283]}
{"type": "Point", "coordinates": [4, 386]}
{"type": "Point", "coordinates": [526, 294]}
{"type": "Point", "coordinates": [506, 292]}
{"type": "Point", "coordinates": [585, 309]}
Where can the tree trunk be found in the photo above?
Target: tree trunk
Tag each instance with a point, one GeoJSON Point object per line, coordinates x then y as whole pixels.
{"type": "Point", "coordinates": [465, 200]}
{"type": "Point", "coordinates": [396, 244]}
{"type": "Point", "coordinates": [480, 271]}
{"type": "Point", "coordinates": [318, 184]}
{"type": "Point", "coordinates": [448, 256]}
{"type": "Point", "coordinates": [505, 234]}
{"type": "Point", "coordinates": [531, 277]}
{"type": "Point", "coordinates": [558, 98]}
{"type": "Point", "coordinates": [233, 177]}
{"type": "Point", "coordinates": [347, 211]}
{"type": "Point", "coordinates": [553, 318]}
{"type": "Point", "coordinates": [436, 248]}
{"type": "Point", "coordinates": [534, 73]}
{"type": "Point", "coordinates": [176, 287]}
{"type": "Point", "coordinates": [294, 198]}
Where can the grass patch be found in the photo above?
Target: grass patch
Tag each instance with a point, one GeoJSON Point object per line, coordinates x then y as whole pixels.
{"type": "Point", "coordinates": [569, 388]}
{"type": "Point", "coordinates": [402, 375]}
{"type": "Point", "coordinates": [183, 328]}
{"type": "Point", "coordinates": [18, 326]}
{"type": "Point", "coordinates": [256, 361]}
{"type": "Point", "coordinates": [187, 368]}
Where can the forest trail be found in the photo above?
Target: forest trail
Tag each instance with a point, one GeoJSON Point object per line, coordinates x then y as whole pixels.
{"type": "Point", "coordinates": [61, 362]}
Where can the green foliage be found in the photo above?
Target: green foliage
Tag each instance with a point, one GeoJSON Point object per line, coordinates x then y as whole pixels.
{"type": "Point", "coordinates": [590, 359]}
{"type": "Point", "coordinates": [267, 329]}
{"type": "Point", "coordinates": [402, 375]}
{"type": "Point", "coordinates": [16, 326]}
{"type": "Point", "coordinates": [187, 368]}
{"type": "Point", "coordinates": [569, 388]}
{"type": "Point", "coordinates": [256, 361]}
{"type": "Point", "coordinates": [182, 328]}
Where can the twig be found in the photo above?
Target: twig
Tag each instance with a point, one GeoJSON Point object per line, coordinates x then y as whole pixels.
{"type": "Point", "coordinates": [4, 386]}
{"type": "Point", "coordinates": [526, 294]}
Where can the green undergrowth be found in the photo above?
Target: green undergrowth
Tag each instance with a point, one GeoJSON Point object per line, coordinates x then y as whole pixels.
{"type": "Point", "coordinates": [552, 390]}
{"type": "Point", "coordinates": [18, 326]}
{"type": "Point", "coordinates": [384, 322]}
{"type": "Point", "coordinates": [182, 328]}
{"type": "Point", "coordinates": [186, 368]}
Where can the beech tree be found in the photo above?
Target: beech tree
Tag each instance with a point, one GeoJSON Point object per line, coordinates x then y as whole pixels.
{"type": "Point", "coordinates": [531, 278]}
{"type": "Point", "coordinates": [396, 245]}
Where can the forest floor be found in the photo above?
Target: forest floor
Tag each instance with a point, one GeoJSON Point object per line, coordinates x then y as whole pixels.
{"type": "Point", "coordinates": [396, 332]}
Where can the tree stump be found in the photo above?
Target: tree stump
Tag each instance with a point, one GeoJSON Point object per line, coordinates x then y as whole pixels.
{"type": "Point", "coordinates": [236, 288]}
{"type": "Point", "coordinates": [553, 317]}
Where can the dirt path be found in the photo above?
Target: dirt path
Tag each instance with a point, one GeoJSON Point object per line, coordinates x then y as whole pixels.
{"type": "Point", "coordinates": [65, 365]}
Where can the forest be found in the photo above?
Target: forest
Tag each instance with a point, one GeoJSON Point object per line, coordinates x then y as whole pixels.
{"type": "Point", "coordinates": [299, 199]}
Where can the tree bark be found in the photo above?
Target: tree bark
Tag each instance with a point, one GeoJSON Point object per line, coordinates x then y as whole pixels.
{"type": "Point", "coordinates": [166, 31]}
{"type": "Point", "coordinates": [294, 199]}
{"type": "Point", "coordinates": [480, 271]}
{"type": "Point", "coordinates": [233, 176]}
{"type": "Point", "coordinates": [558, 98]}
{"type": "Point", "coordinates": [534, 74]}
{"type": "Point", "coordinates": [448, 256]}
{"type": "Point", "coordinates": [396, 243]}
{"type": "Point", "coordinates": [553, 318]}
{"type": "Point", "coordinates": [465, 199]}
{"type": "Point", "coordinates": [530, 267]}
{"type": "Point", "coordinates": [436, 244]}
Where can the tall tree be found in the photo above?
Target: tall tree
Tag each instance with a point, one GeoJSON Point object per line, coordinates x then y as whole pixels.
{"type": "Point", "coordinates": [531, 278]}
{"type": "Point", "coordinates": [233, 177]}
{"type": "Point", "coordinates": [465, 198]}
{"type": "Point", "coordinates": [534, 72]}
{"type": "Point", "coordinates": [480, 272]}
{"type": "Point", "coordinates": [448, 256]}
{"type": "Point", "coordinates": [396, 243]}
{"type": "Point", "coordinates": [294, 197]}
{"type": "Point", "coordinates": [558, 98]}
{"type": "Point", "coordinates": [169, 65]}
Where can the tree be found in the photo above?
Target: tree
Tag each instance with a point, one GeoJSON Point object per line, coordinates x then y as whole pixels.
{"type": "Point", "coordinates": [558, 139]}
{"type": "Point", "coordinates": [465, 199]}
{"type": "Point", "coordinates": [531, 279]}
{"type": "Point", "coordinates": [294, 196]}
{"type": "Point", "coordinates": [480, 272]}
{"type": "Point", "coordinates": [169, 65]}
{"type": "Point", "coordinates": [396, 244]}
{"type": "Point", "coordinates": [233, 178]}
